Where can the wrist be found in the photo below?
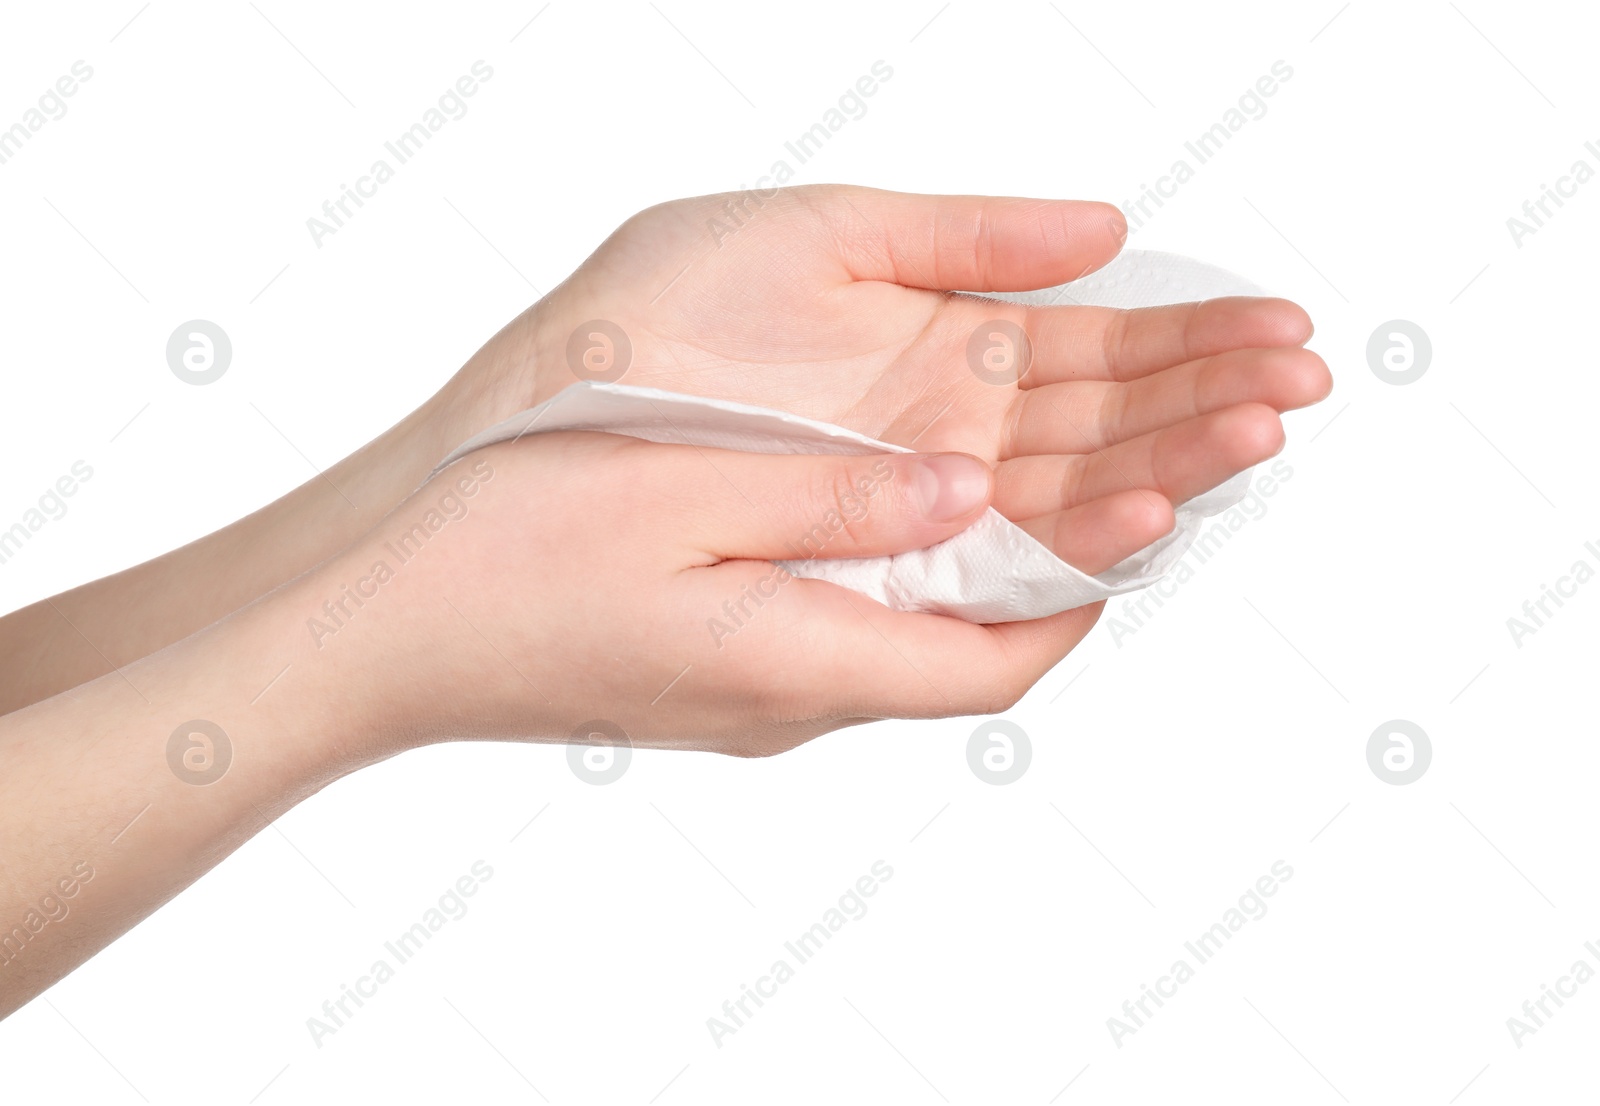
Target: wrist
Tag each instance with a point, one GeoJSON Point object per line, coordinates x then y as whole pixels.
{"type": "Point", "coordinates": [381, 630]}
{"type": "Point", "coordinates": [508, 373]}
{"type": "Point", "coordinates": [297, 716]}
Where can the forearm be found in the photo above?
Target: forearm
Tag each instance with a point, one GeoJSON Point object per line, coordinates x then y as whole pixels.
{"type": "Point", "coordinates": [84, 633]}
{"type": "Point", "coordinates": [105, 814]}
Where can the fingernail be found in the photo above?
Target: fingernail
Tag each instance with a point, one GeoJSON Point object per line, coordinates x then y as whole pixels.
{"type": "Point", "coordinates": [950, 485]}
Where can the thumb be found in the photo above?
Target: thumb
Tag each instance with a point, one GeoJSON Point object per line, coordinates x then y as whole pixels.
{"type": "Point", "coordinates": [976, 243]}
{"type": "Point", "coordinates": [800, 508]}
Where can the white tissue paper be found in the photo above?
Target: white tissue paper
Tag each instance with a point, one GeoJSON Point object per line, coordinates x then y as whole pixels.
{"type": "Point", "coordinates": [990, 572]}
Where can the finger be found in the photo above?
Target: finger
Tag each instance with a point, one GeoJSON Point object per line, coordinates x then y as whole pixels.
{"type": "Point", "coordinates": [1094, 536]}
{"type": "Point", "coordinates": [863, 660]}
{"type": "Point", "coordinates": [770, 507]}
{"type": "Point", "coordinates": [1035, 647]}
{"type": "Point", "coordinates": [1091, 414]}
{"type": "Point", "coordinates": [1108, 343]}
{"type": "Point", "coordinates": [876, 662]}
{"type": "Point", "coordinates": [971, 243]}
{"type": "Point", "coordinates": [1180, 462]}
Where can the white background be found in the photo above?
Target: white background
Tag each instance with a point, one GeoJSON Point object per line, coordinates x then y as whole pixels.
{"type": "Point", "coordinates": [1227, 733]}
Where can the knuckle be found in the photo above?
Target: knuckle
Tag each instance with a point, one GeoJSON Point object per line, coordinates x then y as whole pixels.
{"type": "Point", "coordinates": [1073, 483]}
{"type": "Point", "coordinates": [1112, 342]}
{"type": "Point", "coordinates": [836, 507]}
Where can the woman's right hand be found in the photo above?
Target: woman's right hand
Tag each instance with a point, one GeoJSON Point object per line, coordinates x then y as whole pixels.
{"type": "Point", "coordinates": [537, 586]}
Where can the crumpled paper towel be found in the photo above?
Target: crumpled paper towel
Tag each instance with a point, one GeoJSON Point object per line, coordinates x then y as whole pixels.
{"type": "Point", "coordinates": [990, 572]}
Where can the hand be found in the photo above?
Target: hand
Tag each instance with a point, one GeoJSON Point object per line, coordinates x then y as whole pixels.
{"type": "Point", "coordinates": [586, 576]}
{"type": "Point", "coordinates": [822, 301]}
{"type": "Point", "coordinates": [527, 591]}
{"type": "Point", "coordinates": [590, 577]}
{"type": "Point", "coordinates": [827, 301]}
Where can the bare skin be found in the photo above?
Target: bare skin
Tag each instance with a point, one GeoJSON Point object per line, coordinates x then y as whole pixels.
{"type": "Point", "coordinates": [819, 304]}
{"type": "Point", "coordinates": [519, 624]}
